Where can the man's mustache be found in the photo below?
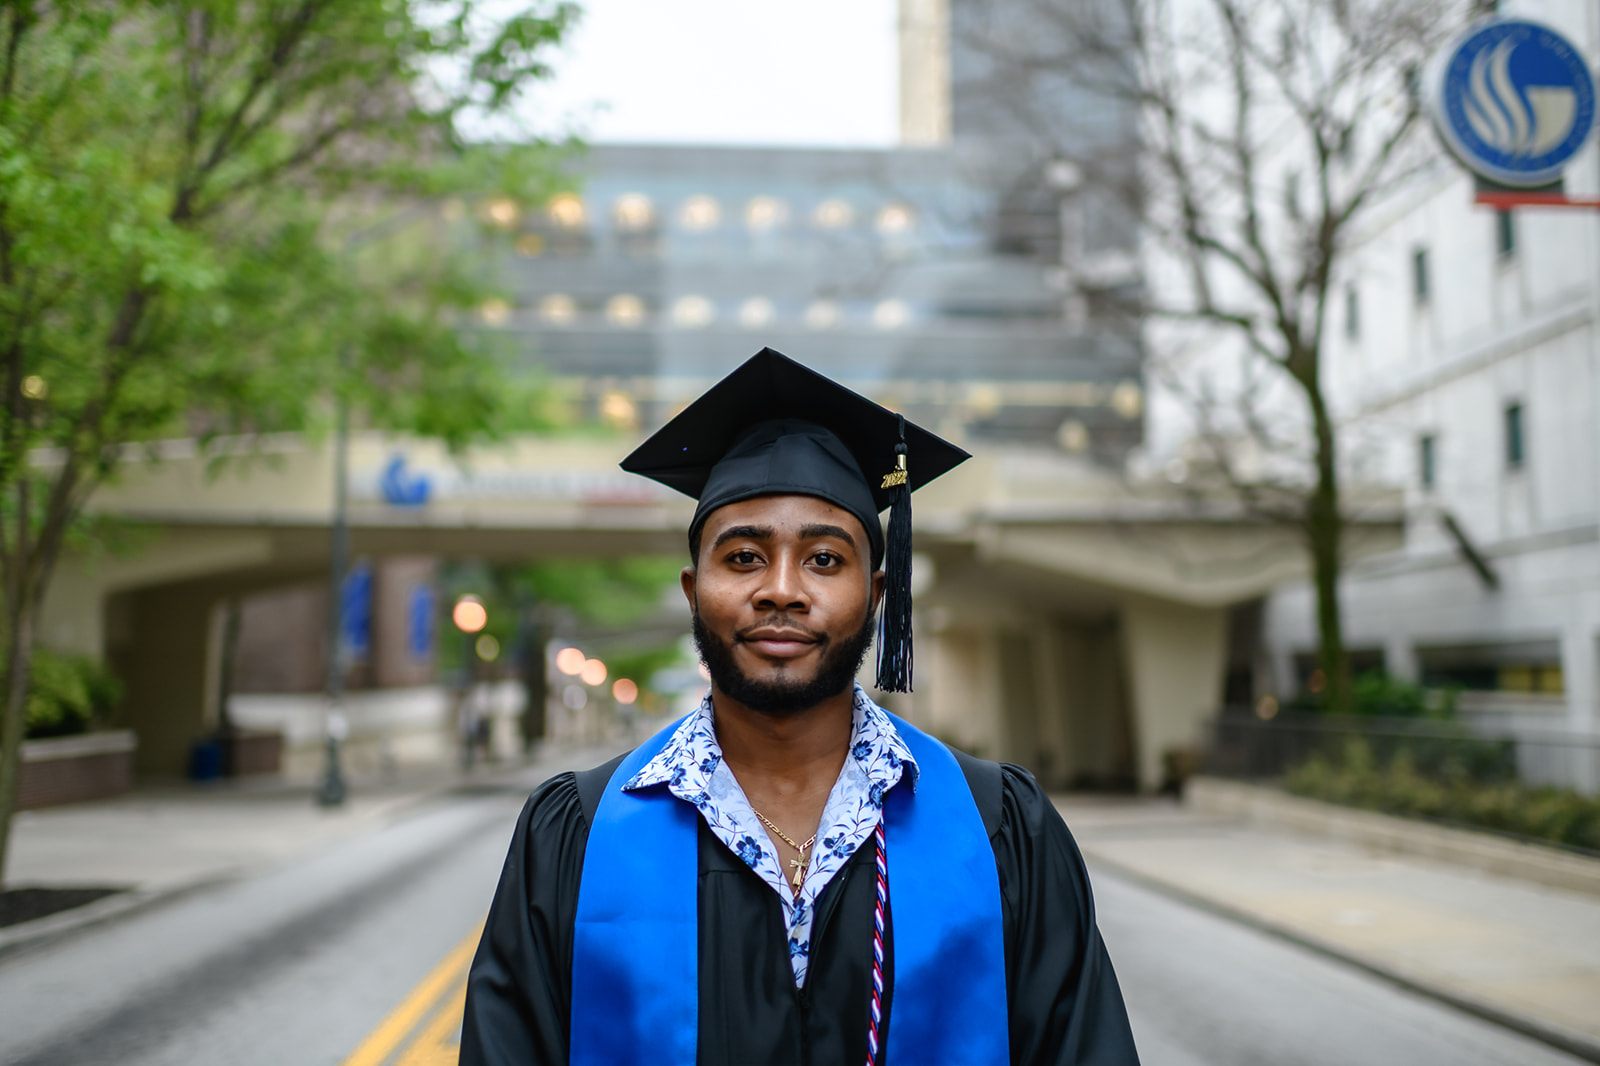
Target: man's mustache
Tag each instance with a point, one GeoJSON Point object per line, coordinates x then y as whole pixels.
{"type": "Point", "coordinates": [779, 627]}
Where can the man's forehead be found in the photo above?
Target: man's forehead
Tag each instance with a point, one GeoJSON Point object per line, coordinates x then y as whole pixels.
{"type": "Point", "coordinates": [790, 512]}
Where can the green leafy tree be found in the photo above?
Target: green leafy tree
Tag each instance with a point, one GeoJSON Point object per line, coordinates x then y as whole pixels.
{"type": "Point", "coordinates": [191, 195]}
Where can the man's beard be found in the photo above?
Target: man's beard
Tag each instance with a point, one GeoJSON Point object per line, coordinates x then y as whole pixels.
{"type": "Point", "coordinates": [835, 673]}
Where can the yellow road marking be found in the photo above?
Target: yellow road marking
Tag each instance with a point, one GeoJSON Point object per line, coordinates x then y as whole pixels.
{"type": "Point", "coordinates": [446, 978]}
{"type": "Point", "coordinates": [436, 1044]}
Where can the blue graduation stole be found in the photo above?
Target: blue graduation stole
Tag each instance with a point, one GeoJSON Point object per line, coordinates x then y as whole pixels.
{"type": "Point", "coordinates": [635, 958]}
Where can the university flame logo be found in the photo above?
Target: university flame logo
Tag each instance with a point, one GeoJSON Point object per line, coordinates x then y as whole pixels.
{"type": "Point", "coordinates": [1521, 124]}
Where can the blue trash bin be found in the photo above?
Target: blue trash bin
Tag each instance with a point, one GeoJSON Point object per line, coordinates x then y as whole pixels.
{"type": "Point", "coordinates": [205, 759]}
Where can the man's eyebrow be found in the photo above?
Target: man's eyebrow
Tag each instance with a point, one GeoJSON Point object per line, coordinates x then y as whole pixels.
{"type": "Point", "coordinates": [742, 532]}
{"type": "Point", "coordinates": [813, 532]}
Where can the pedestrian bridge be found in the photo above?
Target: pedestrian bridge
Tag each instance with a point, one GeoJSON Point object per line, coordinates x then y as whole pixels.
{"type": "Point", "coordinates": [1068, 619]}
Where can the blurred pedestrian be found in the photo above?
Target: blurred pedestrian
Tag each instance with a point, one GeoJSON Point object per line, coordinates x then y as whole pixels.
{"type": "Point", "coordinates": [791, 874]}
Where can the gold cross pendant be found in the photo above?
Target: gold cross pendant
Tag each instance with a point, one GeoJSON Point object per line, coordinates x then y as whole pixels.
{"type": "Point", "coordinates": [800, 865]}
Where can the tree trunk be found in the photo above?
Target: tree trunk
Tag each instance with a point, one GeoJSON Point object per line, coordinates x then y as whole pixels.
{"type": "Point", "coordinates": [18, 672]}
{"type": "Point", "coordinates": [1324, 529]}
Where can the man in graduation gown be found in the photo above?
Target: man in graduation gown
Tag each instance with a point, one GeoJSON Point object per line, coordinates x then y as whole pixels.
{"type": "Point", "coordinates": [791, 874]}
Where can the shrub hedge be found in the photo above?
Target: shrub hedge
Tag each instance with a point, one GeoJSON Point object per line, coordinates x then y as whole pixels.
{"type": "Point", "coordinates": [68, 694]}
{"type": "Point", "coordinates": [1448, 789]}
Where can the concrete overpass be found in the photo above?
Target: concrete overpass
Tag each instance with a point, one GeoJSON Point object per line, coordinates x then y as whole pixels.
{"type": "Point", "coordinates": [1067, 620]}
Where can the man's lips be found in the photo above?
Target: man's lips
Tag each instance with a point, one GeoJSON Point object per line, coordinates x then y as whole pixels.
{"type": "Point", "coordinates": [779, 643]}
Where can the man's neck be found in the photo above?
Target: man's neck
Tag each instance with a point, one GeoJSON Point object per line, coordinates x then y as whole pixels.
{"type": "Point", "coordinates": [785, 757]}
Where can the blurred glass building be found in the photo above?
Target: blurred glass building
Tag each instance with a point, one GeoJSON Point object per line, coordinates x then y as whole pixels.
{"type": "Point", "coordinates": [966, 278]}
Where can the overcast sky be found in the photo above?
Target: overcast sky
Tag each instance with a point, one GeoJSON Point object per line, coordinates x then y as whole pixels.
{"type": "Point", "coordinates": [817, 72]}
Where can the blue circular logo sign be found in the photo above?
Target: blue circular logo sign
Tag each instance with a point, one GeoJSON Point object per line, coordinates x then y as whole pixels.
{"type": "Point", "coordinates": [1514, 101]}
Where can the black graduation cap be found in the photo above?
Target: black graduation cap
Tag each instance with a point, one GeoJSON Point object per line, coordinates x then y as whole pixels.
{"type": "Point", "coordinates": [775, 427]}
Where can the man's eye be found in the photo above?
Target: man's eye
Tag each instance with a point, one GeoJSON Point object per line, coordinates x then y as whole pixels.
{"type": "Point", "coordinates": [826, 559]}
{"type": "Point", "coordinates": [743, 558]}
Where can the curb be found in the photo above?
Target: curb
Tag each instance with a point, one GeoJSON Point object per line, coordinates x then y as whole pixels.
{"type": "Point", "coordinates": [24, 936]}
{"type": "Point", "coordinates": [1485, 852]}
{"type": "Point", "coordinates": [1558, 1037]}
{"type": "Point", "coordinates": [39, 932]}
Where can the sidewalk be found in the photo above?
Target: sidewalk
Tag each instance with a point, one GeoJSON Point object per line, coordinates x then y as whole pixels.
{"type": "Point", "coordinates": [1517, 953]}
{"type": "Point", "coordinates": [159, 842]}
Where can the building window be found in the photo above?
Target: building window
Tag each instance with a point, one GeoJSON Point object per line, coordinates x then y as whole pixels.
{"type": "Point", "coordinates": [693, 312]}
{"type": "Point", "coordinates": [567, 211]}
{"type": "Point", "coordinates": [1419, 276]}
{"type": "Point", "coordinates": [833, 214]}
{"type": "Point", "coordinates": [756, 312]}
{"type": "Point", "coordinates": [558, 309]}
{"type": "Point", "coordinates": [891, 314]}
{"type": "Point", "coordinates": [1515, 452]}
{"type": "Point", "coordinates": [1505, 234]}
{"type": "Point", "coordinates": [700, 213]}
{"type": "Point", "coordinates": [896, 219]}
{"type": "Point", "coordinates": [1427, 460]}
{"type": "Point", "coordinates": [633, 211]}
{"type": "Point", "coordinates": [1352, 313]}
{"type": "Point", "coordinates": [625, 310]}
{"type": "Point", "coordinates": [822, 314]}
{"type": "Point", "coordinates": [765, 212]}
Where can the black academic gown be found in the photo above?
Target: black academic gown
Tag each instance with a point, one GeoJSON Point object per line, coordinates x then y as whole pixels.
{"type": "Point", "coordinates": [1064, 1003]}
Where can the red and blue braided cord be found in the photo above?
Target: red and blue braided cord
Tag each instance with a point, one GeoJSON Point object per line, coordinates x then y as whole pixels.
{"type": "Point", "coordinates": [877, 949]}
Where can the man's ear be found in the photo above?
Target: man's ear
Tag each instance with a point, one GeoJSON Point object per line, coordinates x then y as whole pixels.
{"type": "Point", "coordinates": [687, 579]}
{"type": "Point", "coordinates": [877, 589]}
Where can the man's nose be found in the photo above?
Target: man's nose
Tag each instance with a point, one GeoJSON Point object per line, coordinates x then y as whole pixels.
{"type": "Point", "coordinates": [784, 587]}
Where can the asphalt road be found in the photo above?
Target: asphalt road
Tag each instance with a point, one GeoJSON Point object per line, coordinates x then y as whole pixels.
{"type": "Point", "coordinates": [1204, 991]}
{"type": "Point", "coordinates": [356, 955]}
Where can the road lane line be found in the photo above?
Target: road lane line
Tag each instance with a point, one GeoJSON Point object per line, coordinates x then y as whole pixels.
{"type": "Point", "coordinates": [382, 1041]}
{"type": "Point", "coordinates": [436, 1044]}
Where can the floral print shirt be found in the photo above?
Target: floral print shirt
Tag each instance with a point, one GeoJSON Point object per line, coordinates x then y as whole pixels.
{"type": "Point", "coordinates": [691, 767]}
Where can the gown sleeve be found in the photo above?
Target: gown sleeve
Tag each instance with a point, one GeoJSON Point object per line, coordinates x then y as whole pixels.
{"type": "Point", "coordinates": [1066, 1008]}
{"type": "Point", "coordinates": [520, 987]}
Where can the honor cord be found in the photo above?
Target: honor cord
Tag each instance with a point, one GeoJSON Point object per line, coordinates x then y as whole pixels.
{"type": "Point", "coordinates": [877, 949]}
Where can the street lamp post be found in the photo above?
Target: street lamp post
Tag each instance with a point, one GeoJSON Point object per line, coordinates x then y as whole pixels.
{"type": "Point", "coordinates": [332, 791]}
{"type": "Point", "coordinates": [331, 794]}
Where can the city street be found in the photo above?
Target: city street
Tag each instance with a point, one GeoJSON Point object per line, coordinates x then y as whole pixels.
{"type": "Point", "coordinates": [356, 954]}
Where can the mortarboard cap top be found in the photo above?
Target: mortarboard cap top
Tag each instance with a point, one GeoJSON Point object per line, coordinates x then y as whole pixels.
{"type": "Point", "coordinates": [769, 386]}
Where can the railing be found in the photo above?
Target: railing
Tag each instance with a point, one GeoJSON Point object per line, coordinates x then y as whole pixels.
{"type": "Point", "coordinates": [1242, 745]}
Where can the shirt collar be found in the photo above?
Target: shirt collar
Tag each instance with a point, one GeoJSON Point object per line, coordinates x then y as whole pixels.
{"type": "Point", "coordinates": [692, 754]}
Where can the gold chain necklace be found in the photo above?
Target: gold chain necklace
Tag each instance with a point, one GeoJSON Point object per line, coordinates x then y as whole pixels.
{"type": "Point", "coordinates": [803, 861]}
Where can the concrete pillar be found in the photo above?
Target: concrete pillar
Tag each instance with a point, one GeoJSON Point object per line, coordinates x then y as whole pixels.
{"type": "Point", "coordinates": [1050, 681]}
{"type": "Point", "coordinates": [163, 659]}
{"type": "Point", "coordinates": [924, 72]}
{"type": "Point", "coordinates": [1580, 670]}
{"type": "Point", "coordinates": [1019, 702]}
{"type": "Point", "coordinates": [1400, 658]}
{"type": "Point", "coordinates": [1095, 730]}
{"type": "Point", "coordinates": [957, 694]}
{"type": "Point", "coordinates": [1176, 656]}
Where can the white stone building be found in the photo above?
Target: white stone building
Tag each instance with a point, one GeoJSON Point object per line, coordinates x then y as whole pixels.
{"type": "Point", "coordinates": [1467, 344]}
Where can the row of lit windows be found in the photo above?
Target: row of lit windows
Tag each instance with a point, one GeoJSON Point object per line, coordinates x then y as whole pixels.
{"type": "Point", "coordinates": [697, 312]}
{"type": "Point", "coordinates": [635, 212]}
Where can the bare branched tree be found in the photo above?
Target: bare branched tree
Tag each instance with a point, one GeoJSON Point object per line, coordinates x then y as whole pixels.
{"type": "Point", "coordinates": [1266, 131]}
